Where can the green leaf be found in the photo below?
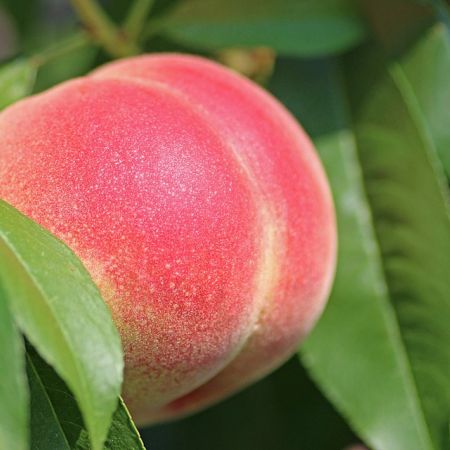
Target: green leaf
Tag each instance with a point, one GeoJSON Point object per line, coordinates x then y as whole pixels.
{"type": "Point", "coordinates": [381, 351]}
{"type": "Point", "coordinates": [60, 310]}
{"type": "Point", "coordinates": [406, 188]}
{"type": "Point", "coordinates": [425, 65]}
{"type": "Point", "coordinates": [291, 27]}
{"type": "Point", "coordinates": [72, 56]}
{"type": "Point", "coordinates": [16, 81]}
{"type": "Point", "coordinates": [123, 433]}
{"type": "Point", "coordinates": [425, 77]}
{"type": "Point", "coordinates": [47, 428]}
{"type": "Point", "coordinates": [56, 422]}
{"type": "Point", "coordinates": [13, 387]}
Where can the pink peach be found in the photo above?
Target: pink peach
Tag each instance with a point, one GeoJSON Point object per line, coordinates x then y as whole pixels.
{"type": "Point", "coordinates": [200, 209]}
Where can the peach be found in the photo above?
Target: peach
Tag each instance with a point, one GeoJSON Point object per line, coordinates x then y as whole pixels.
{"type": "Point", "coordinates": [199, 207]}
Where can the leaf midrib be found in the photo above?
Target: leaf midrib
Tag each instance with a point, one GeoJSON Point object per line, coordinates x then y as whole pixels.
{"type": "Point", "coordinates": [44, 390]}
{"type": "Point", "coordinates": [392, 322]}
{"type": "Point", "coordinates": [412, 104]}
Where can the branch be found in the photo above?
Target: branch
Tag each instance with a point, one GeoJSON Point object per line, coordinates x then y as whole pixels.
{"type": "Point", "coordinates": [71, 44]}
{"type": "Point", "coordinates": [137, 16]}
{"type": "Point", "coordinates": [103, 30]}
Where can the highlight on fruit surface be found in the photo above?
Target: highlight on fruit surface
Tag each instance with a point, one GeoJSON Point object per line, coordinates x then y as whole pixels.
{"type": "Point", "coordinates": [199, 207]}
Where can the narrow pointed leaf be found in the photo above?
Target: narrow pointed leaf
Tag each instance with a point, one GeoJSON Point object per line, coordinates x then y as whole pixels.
{"type": "Point", "coordinates": [291, 27]}
{"type": "Point", "coordinates": [13, 387]}
{"type": "Point", "coordinates": [59, 309]}
{"type": "Point", "coordinates": [46, 428]}
{"type": "Point", "coordinates": [123, 433]}
{"type": "Point", "coordinates": [425, 72]}
{"type": "Point", "coordinates": [56, 421]}
{"type": "Point", "coordinates": [381, 350]}
{"type": "Point", "coordinates": [409, 198]}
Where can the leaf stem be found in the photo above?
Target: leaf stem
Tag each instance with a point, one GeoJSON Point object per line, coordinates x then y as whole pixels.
{"type": "Point", "coordinates": [103, 30]}
{"type": "Point", "coordinates": [136, 18]}
{"type": "Point", "coordinates": [73, 43]}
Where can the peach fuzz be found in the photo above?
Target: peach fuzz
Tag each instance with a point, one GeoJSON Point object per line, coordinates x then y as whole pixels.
{"type": "Point", "coordinates": [199, 207]}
